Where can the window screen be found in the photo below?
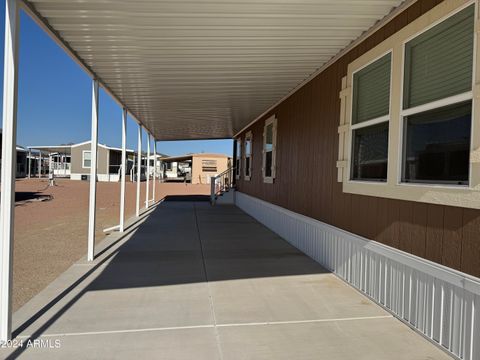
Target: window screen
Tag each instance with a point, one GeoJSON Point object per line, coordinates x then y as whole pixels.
{"type": "Point", "coordinates": [438, 63]}
{"type": "Point", "coordinates": [437, 145]}
{"type": "Point", "coordinates": [370, 153]}
{"type": "Point", "coordinates": [371, 91]}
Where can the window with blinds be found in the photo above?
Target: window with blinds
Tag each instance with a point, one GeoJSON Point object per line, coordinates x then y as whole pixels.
{"type": "Point", "coordinates": [370, 120]}
{"type": "Point", "coordinates": [437, 102]}
{"type": "Point", "coordinates": [371, 91]}
{"type": "Point", "coordinates": [438, 63]}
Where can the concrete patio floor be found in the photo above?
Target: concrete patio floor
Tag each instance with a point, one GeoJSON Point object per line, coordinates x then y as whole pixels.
{"type": "Point", "coordinates": [192, 281]}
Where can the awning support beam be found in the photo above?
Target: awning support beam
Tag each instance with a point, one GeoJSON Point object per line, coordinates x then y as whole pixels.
{"type": "Point", "coordinates": [123, 170]}
{"type": "Point", "coordinates": [39, 164]}
{"type": "Point", "coordinates": [29, 163]}
{"type": "Point", "coordinates": [93, 174]}
{"type": "Point", "coordinates": [147, 192]}
{"type": "Point", "coordinates": [9, 160]}
{"type": "Point", "coordinates": [154, 168]}
{"type": "Point", "coordinates": [139, 169]}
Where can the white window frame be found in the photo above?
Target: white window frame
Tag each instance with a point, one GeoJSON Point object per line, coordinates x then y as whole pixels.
{"type": "Point", "coordinates": [371, 122]}
{"type": "Point", "coordinates": [248, 137]}
{"type": "Point", "coordinates": [238, 159]}
{"type": "Point", "coordinates": [83, 159]}
{"type": "Point", "coordinates": [443, 194]}
{"type": "Point", "coordinates": [270, 121]}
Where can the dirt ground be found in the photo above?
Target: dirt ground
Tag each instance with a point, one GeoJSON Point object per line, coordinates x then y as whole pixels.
{"type": "Point", "coordinates": [51, 235]}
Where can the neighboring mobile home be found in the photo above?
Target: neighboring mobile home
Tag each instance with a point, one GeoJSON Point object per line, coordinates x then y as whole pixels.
{"type": "Point", "coordinates": [108, 163]}
{"type": "Point", "coordinates": [73, 160]}
{"type": "Point", "coordinates": [194, 168]}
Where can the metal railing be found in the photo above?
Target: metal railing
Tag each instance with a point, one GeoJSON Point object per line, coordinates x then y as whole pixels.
{"type": "Point", "coordinates": [221, 183]}
{"type": "Point", "coordinates": [60, 166]}
{"type": "Point", "coordinates": [133, 173]}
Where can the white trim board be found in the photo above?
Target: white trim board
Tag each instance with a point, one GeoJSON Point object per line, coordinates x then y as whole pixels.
{"type": "Point", "coordinates": [100, 177]}
{"type": "Point", "coordinates": [439, 302]}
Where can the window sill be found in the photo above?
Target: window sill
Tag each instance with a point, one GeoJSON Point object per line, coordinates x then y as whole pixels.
{"type": "Point", "coordinates": [247, 178]}
{"type": "Point", "coordinates": [268, 180]}
{"type": "Point", "coordinates": [435, 186]}
{"type": "Point", "coordinates": [372, 182]}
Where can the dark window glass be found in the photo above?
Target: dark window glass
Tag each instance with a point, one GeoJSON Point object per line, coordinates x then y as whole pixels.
{"type": "Point", "coordinates": [268, 164]}
{"type": "Point", "coordinates": [370, 153]}
{"type": "Point", "coordinates": [238, 158]}
{"type": "Point", "coordinates": [247, 166]}
{"type": "Point", "coordinates": [437, 145]}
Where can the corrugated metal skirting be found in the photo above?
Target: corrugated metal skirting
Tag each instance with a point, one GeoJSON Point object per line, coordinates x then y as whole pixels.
{"type": "Point", "coordinates": [439, 302]}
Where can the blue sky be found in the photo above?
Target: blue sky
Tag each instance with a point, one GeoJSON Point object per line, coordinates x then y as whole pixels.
{"type": "Point", "coordinates": [55, 99]}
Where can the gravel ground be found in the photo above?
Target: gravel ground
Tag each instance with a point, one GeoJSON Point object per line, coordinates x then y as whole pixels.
{"type": "Point", "coordinates": [51, 235]}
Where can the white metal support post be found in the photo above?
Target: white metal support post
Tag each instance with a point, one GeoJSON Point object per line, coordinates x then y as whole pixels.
{"type": "Point", "coordinates": [9, 159]}
{"type": "Point", "coordinates": [147, 192]}
{"type": "Point", "coordinates": [39, 164]}
{"type": "Point", "coordinates": [123, 170]}
{"type": "Point", "coordinates": [154, 168]}
{"type": "Point", "coordinates": [29, 164]}
{"type": "Point", "coordinates": [139, 169]}
{"type": "Point", "coordinates": [93, 173]}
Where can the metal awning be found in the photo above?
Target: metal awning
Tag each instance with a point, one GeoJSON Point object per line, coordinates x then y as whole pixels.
{"type": "Point", "coordinates": [51, 149]}
{"type": "Point", "coordinates": [193, 69]}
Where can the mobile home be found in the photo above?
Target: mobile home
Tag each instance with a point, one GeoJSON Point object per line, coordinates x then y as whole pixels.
{"type": "Point", "coordinates": [73, 161]}
{"type": "Point", "coordinates": [108, 163]}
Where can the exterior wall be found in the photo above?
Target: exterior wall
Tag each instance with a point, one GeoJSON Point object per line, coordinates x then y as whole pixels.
{"type": "Point", "coordinates": [77, 153]}
{"type": "Point", "coordinates": [201, 177]}
{"type": "Point", "coordinates": [306, 174]}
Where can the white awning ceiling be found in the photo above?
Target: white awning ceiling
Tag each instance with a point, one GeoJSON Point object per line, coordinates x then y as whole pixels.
{"type": "Point", "coordinates": [196, 69]}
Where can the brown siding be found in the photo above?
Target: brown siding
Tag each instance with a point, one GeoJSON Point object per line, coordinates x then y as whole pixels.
{"type": "Point", "coordinates": [306, 179]}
